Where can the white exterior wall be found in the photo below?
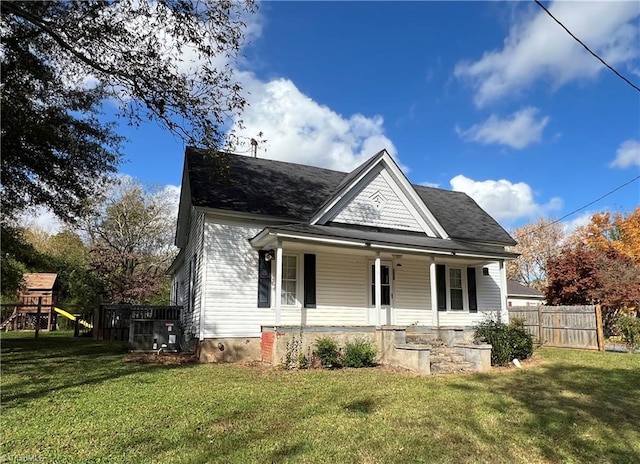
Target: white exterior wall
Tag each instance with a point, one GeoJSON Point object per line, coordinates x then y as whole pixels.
{"type": "Point", "coordinates": [488, 288]}
{"type": "Point", "coordinates": [412, 294]}
{"type": "Point", "coordinates": [341, 292]}
{"type": "Point", "coordinates": [230, 275]}
{"type": "Point", "coordinates": [231, 282]}
{"type": "Point", "coordinates": [193, 252]}
{"type": "Point", "coordinates": [392, 213]}
{"type": "Point", "coordinates": [514, 301]}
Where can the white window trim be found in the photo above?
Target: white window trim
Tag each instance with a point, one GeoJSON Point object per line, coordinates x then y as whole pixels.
{"type": "Point", "coordinates": [372, 262]}
{"type": "Point", "coordinates": [465, 289]}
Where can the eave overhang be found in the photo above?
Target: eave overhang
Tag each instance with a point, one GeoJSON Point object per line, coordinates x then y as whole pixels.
{"type": "Point", "coordinates": [389, 242]}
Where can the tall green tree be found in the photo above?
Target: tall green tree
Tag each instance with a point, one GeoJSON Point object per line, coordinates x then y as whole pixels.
{"type": "Point", "coordinates": [166, 60]}
{"type": "Point", "coordinates": [130, 241]}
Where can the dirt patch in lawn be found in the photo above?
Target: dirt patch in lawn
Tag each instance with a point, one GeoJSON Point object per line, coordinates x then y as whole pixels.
{"type": "Point", "coordinates": [162, 358]}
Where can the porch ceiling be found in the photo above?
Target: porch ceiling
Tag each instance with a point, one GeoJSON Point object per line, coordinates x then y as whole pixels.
{"type": "Point", "coordinates": [379, 240]}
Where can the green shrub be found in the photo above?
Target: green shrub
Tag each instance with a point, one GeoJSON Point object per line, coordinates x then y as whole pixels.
{"type": "Point", "coordinates": [629, 328]}
{"type": "Point", "coordinates": [359, 353]}
{"type": "Point", "coordinates": [327, 352]}
{"type": "Point", "coordinates": [508, 342]}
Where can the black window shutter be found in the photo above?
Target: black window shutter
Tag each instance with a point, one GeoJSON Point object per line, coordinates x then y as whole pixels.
{"type": "Point", "coordinates": [471, 285]}
{"type": "Point", "coordinates": [441, 285]}
{"type": "Point", "coordinates": [309, 281]}
{"type": "Point", "coordinates": [264, 281]}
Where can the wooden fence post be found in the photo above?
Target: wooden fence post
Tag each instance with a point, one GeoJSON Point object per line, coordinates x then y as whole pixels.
{"type": "Point", "coordinates": [599, 328]}
{"type": "Point", "coordinates": [38, 312]}
{"type": "Point", "coordinates": [50, 319]}
{"type": "Point", "coordinates": [540, 333]}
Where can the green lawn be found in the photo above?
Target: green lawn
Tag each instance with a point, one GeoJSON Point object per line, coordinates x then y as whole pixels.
{"type": "Point", "coordinates": [74, 400]}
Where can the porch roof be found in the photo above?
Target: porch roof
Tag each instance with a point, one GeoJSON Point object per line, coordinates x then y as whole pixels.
{"type": "Point", "coordinates": [378, 239]}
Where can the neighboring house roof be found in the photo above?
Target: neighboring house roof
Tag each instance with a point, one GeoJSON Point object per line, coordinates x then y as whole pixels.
{"type": "Point", "coordinates": [295, 192]}
{"type": "Point", "coordinates": [40, 281]}
{"type": "Point", "coordinates": [516, 289]}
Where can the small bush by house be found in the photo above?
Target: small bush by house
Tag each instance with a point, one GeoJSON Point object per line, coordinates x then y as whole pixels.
{"type": "Point", "coordinates": [508, 341]}
{"type": "Point", "coordinates": [326, 350]}
{"type": "Point", "coordinates": [359, 353]}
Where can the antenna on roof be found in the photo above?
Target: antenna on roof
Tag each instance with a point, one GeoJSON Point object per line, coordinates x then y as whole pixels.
{"type": "Point", "coordinates": [254, 148]}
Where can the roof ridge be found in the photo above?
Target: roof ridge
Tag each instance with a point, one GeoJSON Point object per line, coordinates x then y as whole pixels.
{"type": "Point", "coordinates": [238, 155]}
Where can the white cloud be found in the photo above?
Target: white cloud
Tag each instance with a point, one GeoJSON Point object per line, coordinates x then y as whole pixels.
{"type": "Point", "coordinates": [504, 200]}
{"type": "Point", "coordinates": [570, 227]}
{"type": "Point", "coordinates": [518, 130]}
{"type": "Point", "coordinates": [628, 154]}
{"type": "Point", "coordinates": [538, 48]}
{"type": "Point", "coordinates": [430, 184]}
{"type": "Point", "coordinates": [41, 218]}
{"type": "Point", "coordinates": [300, 130]}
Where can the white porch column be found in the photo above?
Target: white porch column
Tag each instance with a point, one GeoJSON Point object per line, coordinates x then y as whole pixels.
{"type": "Point", "coordinates": [504, 313]}
{"type": "Point", "coordinates": [434, 293]}
{"type": "Point", "coordinates": [278, 282]}
{"type": "Point", "coordinates": [378, 288]}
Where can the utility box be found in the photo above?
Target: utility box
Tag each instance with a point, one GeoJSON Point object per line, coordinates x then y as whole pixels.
{"type": "Point", "coordinates": [149, 331]}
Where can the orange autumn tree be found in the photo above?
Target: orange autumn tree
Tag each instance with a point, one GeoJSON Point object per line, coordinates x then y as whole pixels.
{"type": "Point", "coordinates": [600, 263]}
{"type": "Point", "coordinates": [617, 231]}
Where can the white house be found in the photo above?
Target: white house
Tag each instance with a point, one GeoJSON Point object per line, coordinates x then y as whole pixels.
{"type": "Point", "coordinates": [521, 295]}
{"type": "Point", "coordinates": [267, 244]}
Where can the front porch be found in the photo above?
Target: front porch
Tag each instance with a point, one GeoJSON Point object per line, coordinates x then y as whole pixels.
{"type": "Point", "coordinates": [319, 281]}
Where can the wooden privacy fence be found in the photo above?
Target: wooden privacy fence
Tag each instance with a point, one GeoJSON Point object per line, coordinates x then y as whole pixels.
{"type": "Point", "coordinates": [563, 326]}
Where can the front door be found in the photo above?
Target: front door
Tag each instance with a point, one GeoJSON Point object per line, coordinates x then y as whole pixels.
{"type": "Point", "coordinates": [386, 293]}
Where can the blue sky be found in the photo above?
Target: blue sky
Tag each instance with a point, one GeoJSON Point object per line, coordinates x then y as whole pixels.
{"type": "Point", "coordinates": [490, 98]}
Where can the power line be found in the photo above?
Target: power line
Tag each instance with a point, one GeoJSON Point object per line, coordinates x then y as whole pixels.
{"type": "Point", "coordinates": [587, 48]}
{"type": "Point", "coordinates": [585, 206]}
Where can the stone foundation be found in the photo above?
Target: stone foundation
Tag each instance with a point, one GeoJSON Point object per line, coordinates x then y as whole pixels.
{"type": "Point", "coordinates": [390, 342]}
{"type": "Point", "coordinates": [218, 350]}
{"type": "Point", "coordinates": [275, 339]}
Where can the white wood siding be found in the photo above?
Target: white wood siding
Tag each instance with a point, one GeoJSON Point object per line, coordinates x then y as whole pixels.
{"type": "Point", "coordinates": [488, 299]}
{"type": "Point", "coordinates": [412, 295]}
{"type": "Point", "coordinates": [341, 290]}
{"type": "Point", "coordinates": [342, 285]}
{"type": "Point", "coordinates": [392, 212]}
{"type": "Point", "coordinates": [193, 253]}
{"type": "Point", "coordinates": [232, 282]}
{"type": "Point", "coordinates": [488, 288]}
{"type": "Point", "coordinates": [459, 318]}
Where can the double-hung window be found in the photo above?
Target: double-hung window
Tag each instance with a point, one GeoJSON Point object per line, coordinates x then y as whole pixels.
{"type": "Point", "coordinates": [289, 280]}
{"type": "Point", "coordinates": [455, 289]}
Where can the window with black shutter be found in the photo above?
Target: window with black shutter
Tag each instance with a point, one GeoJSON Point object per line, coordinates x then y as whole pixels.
{"type": "Point", "coordinates": [441, 286]}
{"type": "Point", "coordinates": [471, 285]}
{"type": "Point", "coordinates": [264, 280]}
{"type": "Point", "coordinates": [309, 281]}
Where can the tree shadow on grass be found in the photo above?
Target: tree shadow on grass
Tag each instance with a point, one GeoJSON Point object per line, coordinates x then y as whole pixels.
{"type": "Point", "coordinates": [574, 413]}
{"type": "Point", "coordinates": [364, 406]}
{"type": "Point", "coordinates": [43, 365]}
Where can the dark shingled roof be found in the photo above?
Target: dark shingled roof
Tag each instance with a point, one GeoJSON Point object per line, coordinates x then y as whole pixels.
{"type": "Point", "coordinates": [461, 216]}
{"type": "Point", "coordinates": [515, 288]}
{"type": "Point", "coordinates": [296, 192]}
{"type": "Point", "coordinates": [259, 186]}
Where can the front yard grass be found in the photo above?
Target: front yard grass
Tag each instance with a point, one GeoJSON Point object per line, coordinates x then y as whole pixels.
{"type": "Point", "coordinates": [68, 400]}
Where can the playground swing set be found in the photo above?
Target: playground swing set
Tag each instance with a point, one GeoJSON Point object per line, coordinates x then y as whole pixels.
{"type": "Point", "coordinates": [37, 308]}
